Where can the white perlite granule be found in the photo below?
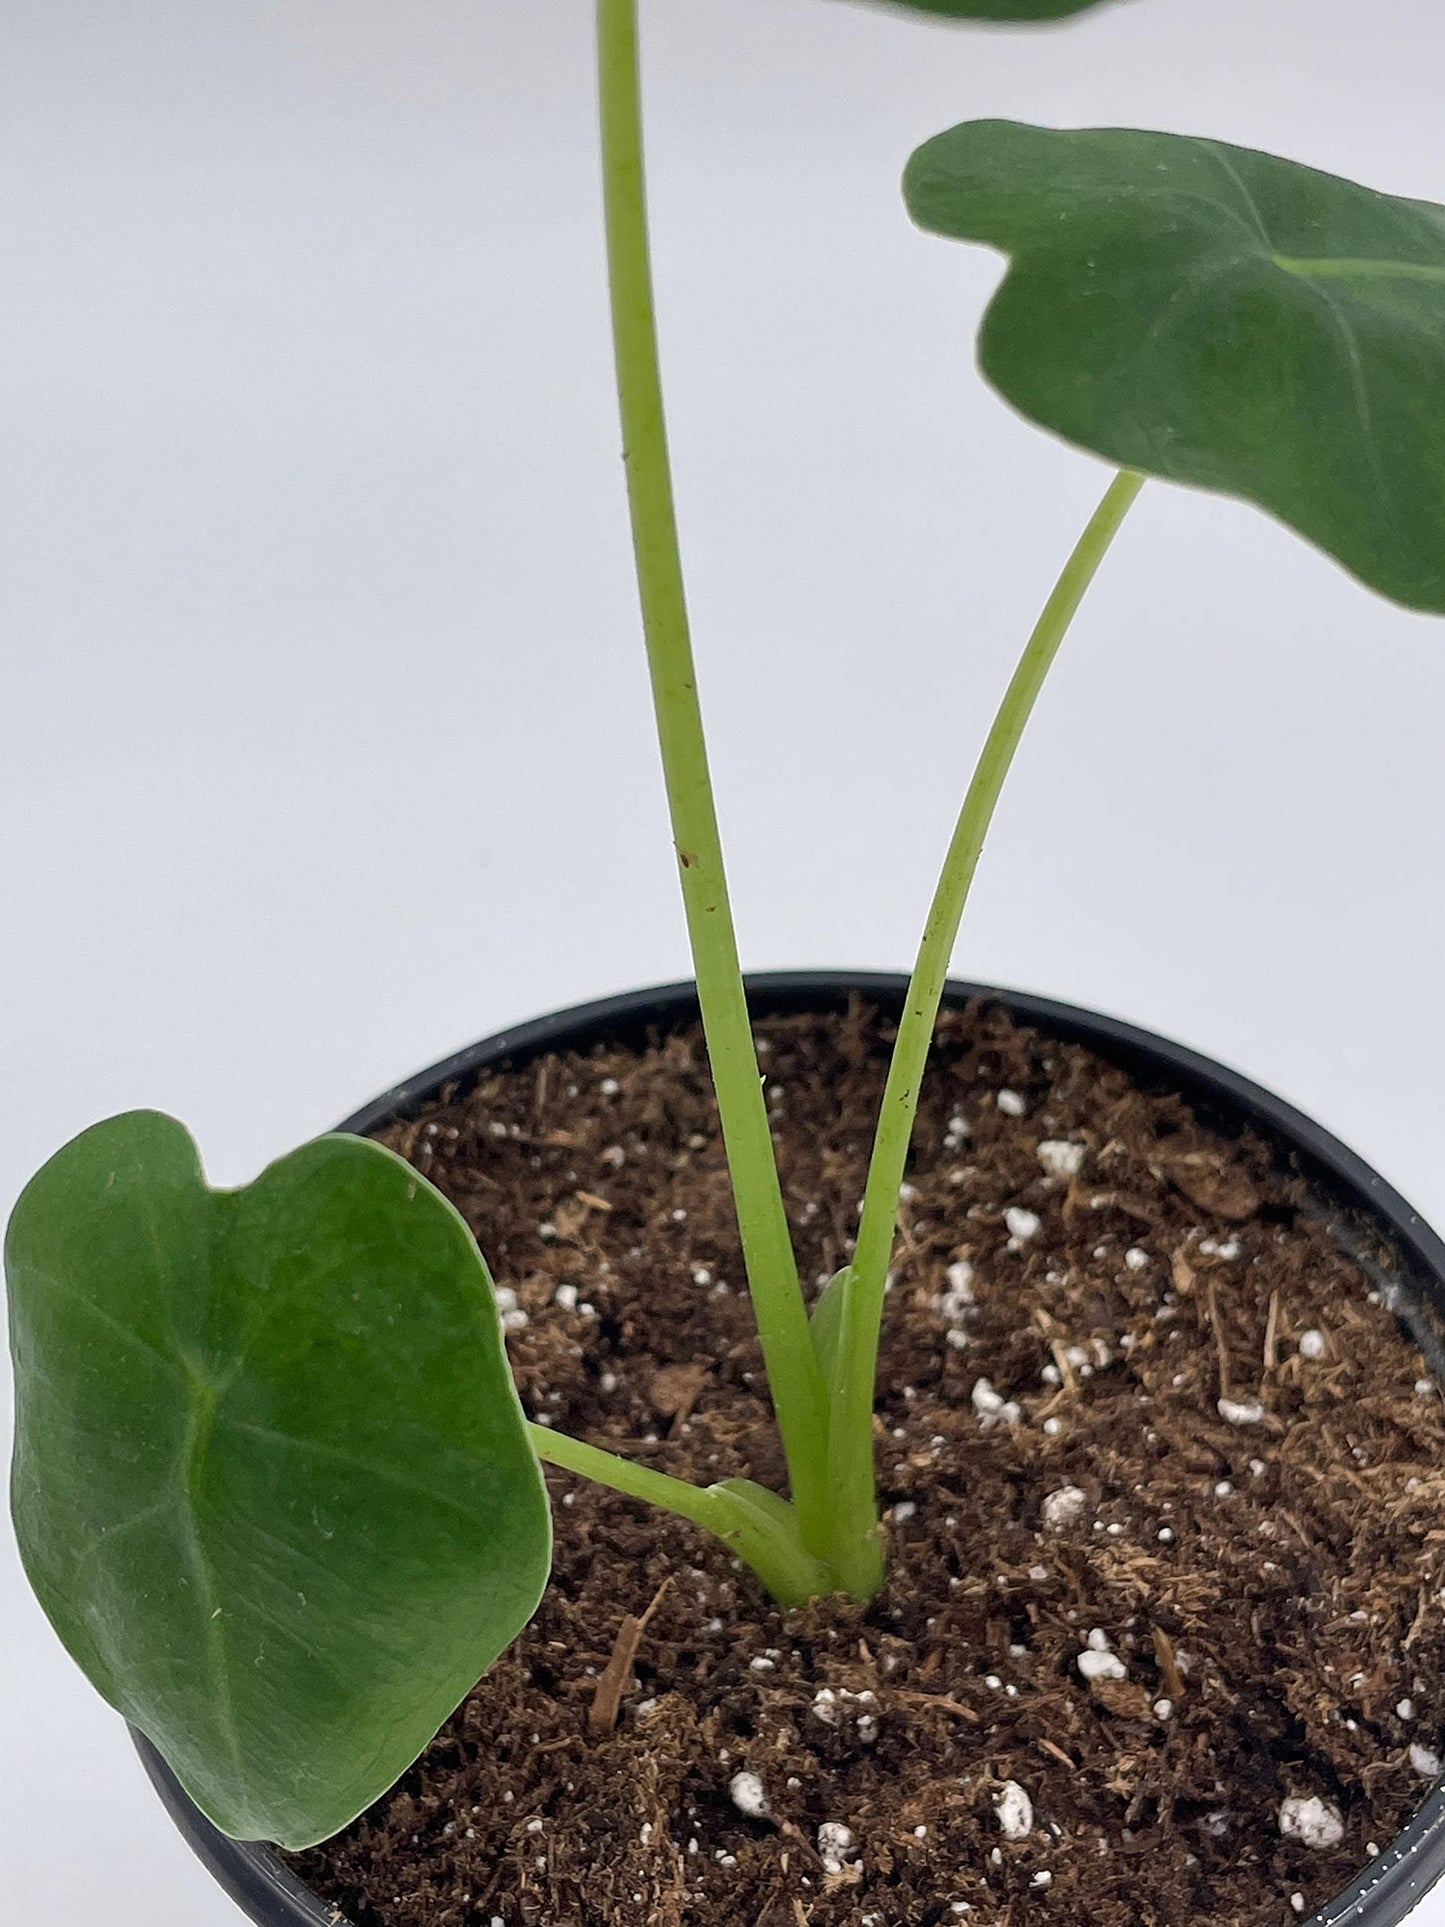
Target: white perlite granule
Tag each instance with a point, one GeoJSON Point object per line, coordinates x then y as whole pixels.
{"type": "Point", "coordinates": [953, 1303]}
{"type": "Point", "coordinates": [1094, 1666]}
{"type": "Point", "coordinates": [1217, 1248]}
{"type": "Point", "coordinates": [1060, 1158]}
{"type": "Point", "coordinates": [1015, 1811]}
{"type": "Point", "coordinates": [1061, 1508]}
{"type": "Point", "coordinates": [992, 1409]}
{"type": "Point", "coordinates": [1021, 1224]}
{"type": "Point", "coordinates": [830, 1707]}
{"type": "Point", "coordinates": [1312, 1822]}
{"type": "Point", "coordinates": [1425, 1761]}
{"type": "Point", "coordinates": [837, 1845]}
{"type": "Point", "coordinates": [1240, 1411]}
{"type": "Point", "coordinates": [1312, 1344]}
{"type": "Point", "coordinates": [745, 1790]}
{"type": "Point", "coordinates": [513, 1317]}
{"type": "Point", "coordinates": [1011, 1104]}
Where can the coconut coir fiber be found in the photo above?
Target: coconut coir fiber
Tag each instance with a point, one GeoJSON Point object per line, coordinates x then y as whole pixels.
{"type": "Point", "coordinates": [1059, 1476]}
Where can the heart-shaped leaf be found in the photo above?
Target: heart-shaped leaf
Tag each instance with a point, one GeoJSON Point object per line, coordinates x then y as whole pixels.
{"type": "Point", "coordinates": [1219, 317]}
{"type": "Point", "coordinates": [272, 1482]}
{"type": "Point", "coordinates": [1015, 10]}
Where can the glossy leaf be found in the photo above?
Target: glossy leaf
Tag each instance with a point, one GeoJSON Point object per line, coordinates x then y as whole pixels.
{"type": "Point", "coordinates": [1219, 317]}
{"type": "Point", "coordinates": [1017, 11]}
{"type": "Point", "coordinates": [272, 1483]}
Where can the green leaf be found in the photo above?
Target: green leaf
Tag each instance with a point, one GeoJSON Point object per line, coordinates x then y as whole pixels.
{"type": "Point", "coordinates": [1014, 10]}
{"type": "Point", "coordinates": [1219, 317]}
{"type": "Point", "coordinates": [827, 1319]}
{"type": "Point", "coordinates": [272, 1482]}
{"type": "Point", "coordinates": [763, 1529]}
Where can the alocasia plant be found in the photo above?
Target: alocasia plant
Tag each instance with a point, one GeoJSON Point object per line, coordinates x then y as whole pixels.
{"type": "Point", "coordinates": [273, 1484]}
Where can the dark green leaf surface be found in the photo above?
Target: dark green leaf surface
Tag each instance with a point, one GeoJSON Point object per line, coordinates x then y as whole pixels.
{"type": "Point", "coordinates": [1014, 10]}
{"type": "Point", "coordinates": [1220, 317]}
{"type": "Point", "coordinates": [272, 1483]}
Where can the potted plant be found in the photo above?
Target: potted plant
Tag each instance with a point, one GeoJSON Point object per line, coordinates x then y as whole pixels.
{"type": "Point", "coordinates": [277, 1490]}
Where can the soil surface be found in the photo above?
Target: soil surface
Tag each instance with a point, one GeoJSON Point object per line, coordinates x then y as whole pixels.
{"type": "Point", "coordinates": [1136, 1406]}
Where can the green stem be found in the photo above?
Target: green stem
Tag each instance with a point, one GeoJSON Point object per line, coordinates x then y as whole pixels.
{"type": "Point", "coordinates": [857, 1553]}
{"type": "Point", "coordinates": [756, 1524]}
{"type": "Point", "coordinates": [799, 1393]}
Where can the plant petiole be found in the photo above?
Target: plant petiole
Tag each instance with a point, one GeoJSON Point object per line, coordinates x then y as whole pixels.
{"type": "Point", "coordinates": [856, 1553]}
{"type": "Point", "coordinates": [760, 1527]}
{"type": "Point", "coordinates": [794, 1374]}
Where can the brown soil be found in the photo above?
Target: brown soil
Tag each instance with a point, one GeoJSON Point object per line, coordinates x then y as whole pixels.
{"type": "Point", "coordinates": [1276, 1582]}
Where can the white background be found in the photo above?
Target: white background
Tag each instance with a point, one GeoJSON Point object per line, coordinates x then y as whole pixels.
{"type": "Point", "coordinates": [324, 745]}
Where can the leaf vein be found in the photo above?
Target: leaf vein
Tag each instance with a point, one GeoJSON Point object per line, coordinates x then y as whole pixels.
{"type": "Point", "coordinates": [388, 1474]}
{"type": "Point", "coordinates": [1232, 172]}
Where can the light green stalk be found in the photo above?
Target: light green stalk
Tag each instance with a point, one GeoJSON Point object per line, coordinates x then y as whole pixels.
{"type": "Point", "coordinates": [756, 1524]}
{"type": "Point", "coordinates": [856, 1553]}
{"type": "Point", "coordinates": [795, 1377]}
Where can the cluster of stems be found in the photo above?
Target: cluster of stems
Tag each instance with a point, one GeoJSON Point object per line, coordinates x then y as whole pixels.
{"type": "Point", "coordinates": [826, 1537]}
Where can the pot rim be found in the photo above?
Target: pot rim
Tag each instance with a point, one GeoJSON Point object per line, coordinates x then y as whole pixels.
{"type": "Point", "coordinates": [1390, 1884]}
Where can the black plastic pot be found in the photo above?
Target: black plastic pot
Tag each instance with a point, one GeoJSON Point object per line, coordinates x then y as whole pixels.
{"type": "Point", "coordinates": [1389, 1239]}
